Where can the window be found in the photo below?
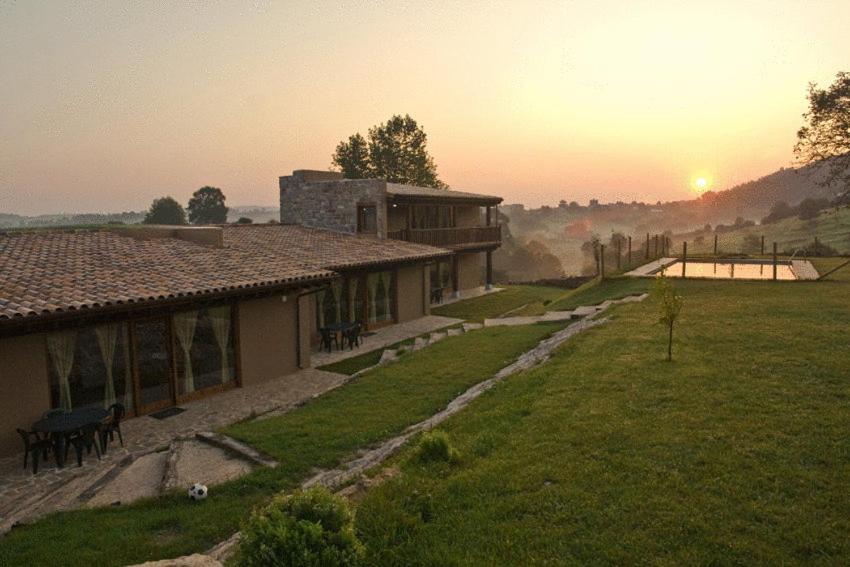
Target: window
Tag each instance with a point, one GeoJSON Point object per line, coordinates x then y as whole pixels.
{"type": "Point", "coordinates": [379, 286]}
{"type": "Point", "coordinates": [441, 274]}
{"type": "Point", "coordinates": [367, 219]}
{"type": "Point", "coordinates": [432, 216]}
{"type": "Point", "coordinates": [204, 348]}
{"type": "Point", "coordinates": [90, 367]}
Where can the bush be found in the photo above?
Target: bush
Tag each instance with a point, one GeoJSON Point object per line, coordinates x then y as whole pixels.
{"type": "Point", "coordinates": [435, 446]}
{"type": "Point", "coordinates": [311, 527]}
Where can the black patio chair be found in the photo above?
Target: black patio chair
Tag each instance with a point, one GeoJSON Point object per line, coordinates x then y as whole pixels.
{"type": "Point", "coordinates": [352, 336]}
{"type": "Point", "coordinates": [328, 338]}
{"type": "Point", "coordinates": [35, 445]}
{"type": "Point", "coordinates": [84, 439]}
{"type": "Point", "coordinates": [111, 426]}
{"type": "Point", "coordinates": [437, 295]}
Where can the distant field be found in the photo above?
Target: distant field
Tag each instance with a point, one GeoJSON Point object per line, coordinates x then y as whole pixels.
{"type": "Point", "coordinates": [831, 227]}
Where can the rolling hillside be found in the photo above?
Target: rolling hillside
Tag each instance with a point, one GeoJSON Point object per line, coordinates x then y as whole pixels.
{"type": "Point", "coordinates": [832, 228]}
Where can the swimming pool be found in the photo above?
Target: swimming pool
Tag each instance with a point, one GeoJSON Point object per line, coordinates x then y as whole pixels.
{"type": "Point", "coordinates": [730, 270]}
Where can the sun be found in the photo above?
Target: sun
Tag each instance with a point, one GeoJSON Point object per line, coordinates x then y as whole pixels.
{"type": "Point", "coordinates": [701, 183]}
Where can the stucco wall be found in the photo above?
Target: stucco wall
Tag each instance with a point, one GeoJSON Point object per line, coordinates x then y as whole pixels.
{"type": "Point", "coordinates": [331, 205]}
{"type": "Point", "coordinates": [24, 390]}
{"type": "Point", "coordinates": [411, 292]}
{"type": "Point", "coordinates": [470, 270]}
{"type": "Point", "coordinates": [267, 338]}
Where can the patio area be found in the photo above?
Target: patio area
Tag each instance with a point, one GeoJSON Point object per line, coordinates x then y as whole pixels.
{"type": "Point", "coordinates": [24, 496]}
{"type": "Point", "coordinates": [384, 337]}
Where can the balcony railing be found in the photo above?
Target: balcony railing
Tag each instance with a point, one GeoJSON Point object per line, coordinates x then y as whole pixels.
{"type": "Point", "coordinates": [449, 237]}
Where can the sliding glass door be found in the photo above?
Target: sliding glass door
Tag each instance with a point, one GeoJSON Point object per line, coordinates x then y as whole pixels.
{"type": "Point", "coordinates": [153, 364]}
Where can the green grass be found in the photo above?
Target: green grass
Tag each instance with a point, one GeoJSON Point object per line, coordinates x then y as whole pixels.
{"type": "Point", "coordinates": [735, 453]}
{"type": "Point", "coordinates": [831, 227]}
{"type": "Point", "coordinates": [595, 292]}
{"type": "Point", "coordinates": [495, 304]}
{"type": "Point", "coordinates": [322, 433]}
{"type": "Point", "coordinates": [357, 363]}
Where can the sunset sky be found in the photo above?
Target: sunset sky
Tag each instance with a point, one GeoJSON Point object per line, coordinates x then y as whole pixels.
{"type": "Point", "coordinates": [105, 107]}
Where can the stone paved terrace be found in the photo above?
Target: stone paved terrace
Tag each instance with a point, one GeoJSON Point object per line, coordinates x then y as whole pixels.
{"type": "Point", "coordinates": [19, 488]}
{"type": "Point", "coordinates": [384, 337]}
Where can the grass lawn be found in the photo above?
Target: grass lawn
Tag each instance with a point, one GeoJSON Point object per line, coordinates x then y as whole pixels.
{"type": "Point", "coordinates": [322, 433]}
{"type": "Point", "coordinates": [357, 363]}
{"type": "Point", "coordinates": [492, 305]}
{"type": "Point", "coordinates": [737, 452]}
{"type": "Point", "coordinates": [595, 292]}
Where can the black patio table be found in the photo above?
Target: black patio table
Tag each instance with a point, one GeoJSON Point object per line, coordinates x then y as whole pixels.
{"type": "Point", "coordinates": [60, 425]}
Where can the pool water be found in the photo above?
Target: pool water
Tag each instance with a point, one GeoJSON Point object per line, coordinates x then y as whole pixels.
{"type": "Point", "coordinates": [730, 270]}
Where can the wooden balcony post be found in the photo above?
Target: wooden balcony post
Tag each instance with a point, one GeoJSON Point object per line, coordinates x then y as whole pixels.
{"type": "Point", "coordinates": [455, 283]}
{"type": "Point", "coordinates": [488, 284]}
{"type": "Point", "coordinates": [489, 222]}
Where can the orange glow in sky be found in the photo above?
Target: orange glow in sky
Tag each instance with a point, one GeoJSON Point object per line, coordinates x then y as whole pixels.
{"type": "Point", "coordinates": [104, 108]}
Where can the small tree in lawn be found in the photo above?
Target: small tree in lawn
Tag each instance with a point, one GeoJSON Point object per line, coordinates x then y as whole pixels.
{"type": "Point", "coordinates": [165, 211]}
{"type": "Point", "coordinates": [670, 304]}
{"type": "Point", "coordinates": [207, 206]}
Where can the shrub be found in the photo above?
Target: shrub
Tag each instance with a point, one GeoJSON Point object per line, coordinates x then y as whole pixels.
{"type": "Point", "coordinates": [307, 528]}
{"type": "Point", "coordinates": [436, 446]}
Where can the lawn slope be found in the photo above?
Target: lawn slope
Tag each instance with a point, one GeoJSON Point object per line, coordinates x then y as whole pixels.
{"type": "Point", "coordinates": [736, 452]}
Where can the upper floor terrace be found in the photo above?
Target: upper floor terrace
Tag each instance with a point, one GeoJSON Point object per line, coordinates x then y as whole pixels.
{"type": "Point", "coordinates": [450, 219]}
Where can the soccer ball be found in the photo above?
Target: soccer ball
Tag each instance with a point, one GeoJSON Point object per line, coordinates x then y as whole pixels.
{"type": "Point", "coordinates": [198, 492]}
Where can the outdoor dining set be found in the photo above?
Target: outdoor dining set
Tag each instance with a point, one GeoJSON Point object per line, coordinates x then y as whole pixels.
{"type": "Point", "coordinates": [59, 430]}
{"type": "Point", "coordinates": [340, 334]}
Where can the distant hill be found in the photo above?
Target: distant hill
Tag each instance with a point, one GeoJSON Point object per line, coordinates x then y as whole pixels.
{"type": "Point", "coordinates": [257, 214]}
{"type": "Point", "coordinates": [754, 199]}
{"type": "Point", "coordinates": [831, 227]}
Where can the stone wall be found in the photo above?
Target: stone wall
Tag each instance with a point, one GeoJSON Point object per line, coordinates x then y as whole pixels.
{"type": "Point", "coordinates": [331, 204]}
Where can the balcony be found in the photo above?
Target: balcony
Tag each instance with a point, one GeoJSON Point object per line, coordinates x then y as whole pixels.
{"type": "Point", "coordinates": [466, 237]}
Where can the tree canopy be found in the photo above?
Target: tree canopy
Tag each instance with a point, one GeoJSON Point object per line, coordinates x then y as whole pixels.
{"type": "Point", "coordinates": [165, 211]}
{"type": "Point", "coordinates": [207, 206]}
{"type": "Point", "coordinates": [825, 136]}
{"type": "Point", "coordinates": [396, 151]}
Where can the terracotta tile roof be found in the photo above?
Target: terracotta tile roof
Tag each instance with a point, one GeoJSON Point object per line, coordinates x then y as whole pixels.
{"type": "Point", "coordinates": [397, 189]}
{"type": "Point", "coordinates": [323, 248]}
{"type": "Point", "coordinates": [54, 272]}
{"type": "Point", "coordinates": [51, 272]}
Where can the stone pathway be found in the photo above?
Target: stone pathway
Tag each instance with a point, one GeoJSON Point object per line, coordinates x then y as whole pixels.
{"type": "Point", "coordinates": [25, 497]}
{"type": "Point", "coordinates": [385, 337]}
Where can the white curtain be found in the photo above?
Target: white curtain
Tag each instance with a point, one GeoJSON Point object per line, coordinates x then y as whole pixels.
{"type": "Point", "coordinates": [184, 328]}
{"type": "Point", "coordinates": [61, 348]}
{"type": "Point", "coordinates": [320, 307]}
{"type": "Point", "coordinates": [372, 287]}
{"type": "Point", "coordinates": [336, 289]}
{"type": "Point", "coordinates": [107, 339]}
{"type": "Point", "coordinates": [352, 300]}
{"type": "Point", "coordinates": [220, 320]}
{"type": "Point", "coordinates": [386, 281]}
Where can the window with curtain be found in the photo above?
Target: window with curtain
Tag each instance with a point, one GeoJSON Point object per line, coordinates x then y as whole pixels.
{"type": "Point", "coordinates": [380, 286]}
{"type": "Point", "coordinates": [90, 367]}
{"type": "Point", "coordinates": [204, 348]}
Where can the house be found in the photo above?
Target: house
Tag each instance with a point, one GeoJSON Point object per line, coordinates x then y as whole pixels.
{"type": "Point", "coordinates": [157, 316]}
{"type": "Point", "coordinates": [464, 223]}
